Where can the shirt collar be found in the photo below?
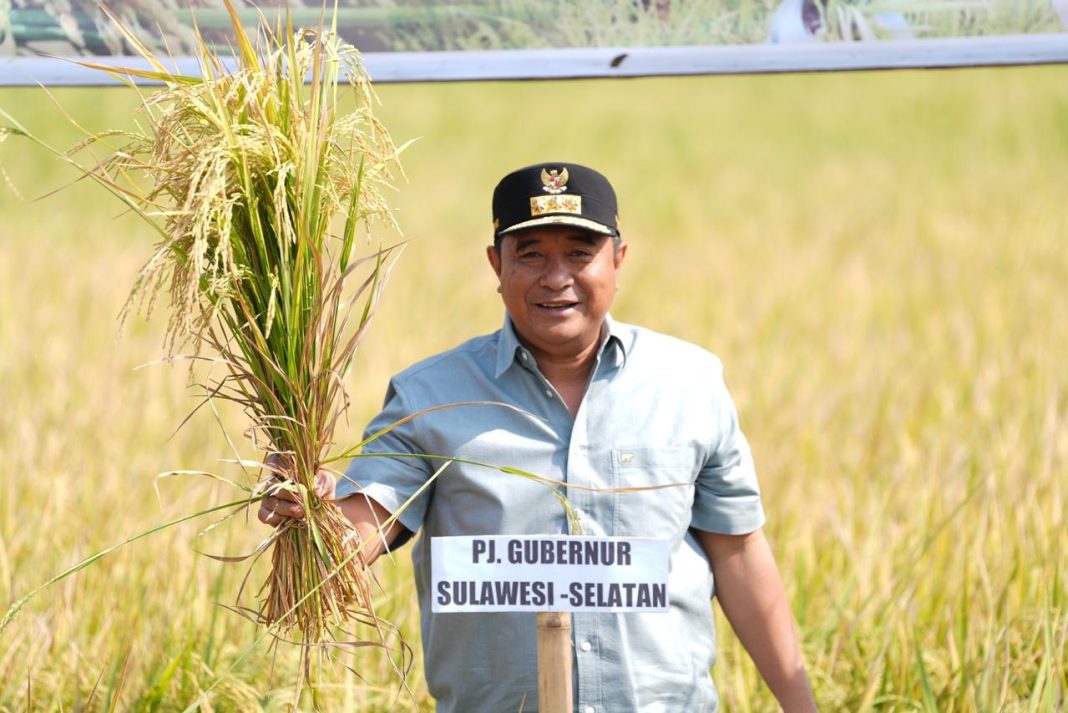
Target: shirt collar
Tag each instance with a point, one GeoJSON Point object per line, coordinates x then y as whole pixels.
{"type": "Point", "coordinates": [509, 349]}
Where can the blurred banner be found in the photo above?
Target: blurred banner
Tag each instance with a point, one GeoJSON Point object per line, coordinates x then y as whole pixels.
{"type": "Point", "coordinates": [442, 40]}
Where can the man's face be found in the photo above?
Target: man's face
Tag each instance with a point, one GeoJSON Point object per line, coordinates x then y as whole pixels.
{"type": "Point", "coordinates": [557, 283]}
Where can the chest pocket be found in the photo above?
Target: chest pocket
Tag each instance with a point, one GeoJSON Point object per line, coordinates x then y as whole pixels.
{"type": "Point", "coordinates": [661, 501]}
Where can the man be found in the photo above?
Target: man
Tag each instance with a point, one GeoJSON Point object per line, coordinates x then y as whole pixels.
{"type": "Point", "coordinates": [595, 404]}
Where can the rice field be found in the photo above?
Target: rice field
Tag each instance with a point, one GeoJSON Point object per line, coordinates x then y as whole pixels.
{"type": "Point", "coordinates": [878, 258]}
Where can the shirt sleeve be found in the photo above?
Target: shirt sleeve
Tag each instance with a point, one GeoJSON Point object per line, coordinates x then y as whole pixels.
{"type": "Point", "coordinates": [389, 470]}
{"type": "Point", "coordinates": [726, 494]}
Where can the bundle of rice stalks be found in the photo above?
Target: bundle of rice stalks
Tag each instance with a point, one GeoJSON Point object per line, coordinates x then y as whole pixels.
{"type": "Point", "coordinates": [250, 170]}
{"type": "Point", "coordinates": [257, 186]}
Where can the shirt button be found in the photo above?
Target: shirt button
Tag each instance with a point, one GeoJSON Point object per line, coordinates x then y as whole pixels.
{"type": "Point", "coordinates": [589, 709]}
{"type": "Point", "coordinates": [523, 356]}
{"type": "Point", "coordinates": [586, 646]}
{"type": "Point", "coordinates": [549, 393]}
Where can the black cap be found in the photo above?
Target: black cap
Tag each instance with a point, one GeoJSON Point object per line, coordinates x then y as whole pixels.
{"type": "Point", "coordinates": [555, 194]}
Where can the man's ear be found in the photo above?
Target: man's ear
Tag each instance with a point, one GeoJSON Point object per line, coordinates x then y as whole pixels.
{"type": "Point", "coordinates": [621, 252]}
{"type": "Point", "coordinates": [494, 256]}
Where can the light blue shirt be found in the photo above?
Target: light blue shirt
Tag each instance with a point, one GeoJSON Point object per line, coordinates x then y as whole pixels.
{"type": "Point", "coordinates": [656, 411]}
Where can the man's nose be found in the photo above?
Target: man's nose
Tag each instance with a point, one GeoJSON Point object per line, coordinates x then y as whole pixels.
{"type": "Point", "coordinates": [557, 274]}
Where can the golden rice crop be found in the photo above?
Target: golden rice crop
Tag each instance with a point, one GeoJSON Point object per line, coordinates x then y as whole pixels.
{"type": "Point", "coordinates": [878, 257]}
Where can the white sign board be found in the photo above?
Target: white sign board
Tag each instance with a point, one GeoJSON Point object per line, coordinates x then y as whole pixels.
{"type": "Point", "coordinates": [549, 573]}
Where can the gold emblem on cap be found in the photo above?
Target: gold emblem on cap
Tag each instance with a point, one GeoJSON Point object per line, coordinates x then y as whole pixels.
{"type": "Point", "coordinates": [540, 205]}
{"type": "Point", "coordinates": [554, 181]}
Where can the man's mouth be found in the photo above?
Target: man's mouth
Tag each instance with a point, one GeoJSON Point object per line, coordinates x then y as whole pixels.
{"type": "Point", "coordinates": [556, 305]}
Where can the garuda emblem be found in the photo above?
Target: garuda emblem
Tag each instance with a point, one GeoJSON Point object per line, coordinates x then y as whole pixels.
{"type": "Point", "coordinates": [554, 181]}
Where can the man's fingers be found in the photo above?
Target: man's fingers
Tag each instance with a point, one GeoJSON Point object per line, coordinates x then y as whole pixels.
{"type": "Point", "coordinates": [283, 499]}
{"type": "Point", "coordinates": [280, 471]}
{"type": "Point", "coordinates": [268, 517]}
{"type": "Point", "coordinates": [274, 510]}
{"type": "Point", "coordinates": [280, 491]}
{"type": "Point", "coordinates": [277, 465]}
{"type": "Point", "coordinates": [324, 485]}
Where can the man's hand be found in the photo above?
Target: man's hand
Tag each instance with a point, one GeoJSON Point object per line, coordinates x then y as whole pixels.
{"type": "Point", "coordinates": [282, 503]}
{"type": "Point", "coordinates": [366, 515]}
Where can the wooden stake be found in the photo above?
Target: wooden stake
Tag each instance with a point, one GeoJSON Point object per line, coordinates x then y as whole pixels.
{"type": "Point", "coordinates": [554, 662]}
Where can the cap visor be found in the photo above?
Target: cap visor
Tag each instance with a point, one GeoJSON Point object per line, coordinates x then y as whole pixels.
{"type": "Point", "coordinates": [584, 223]}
